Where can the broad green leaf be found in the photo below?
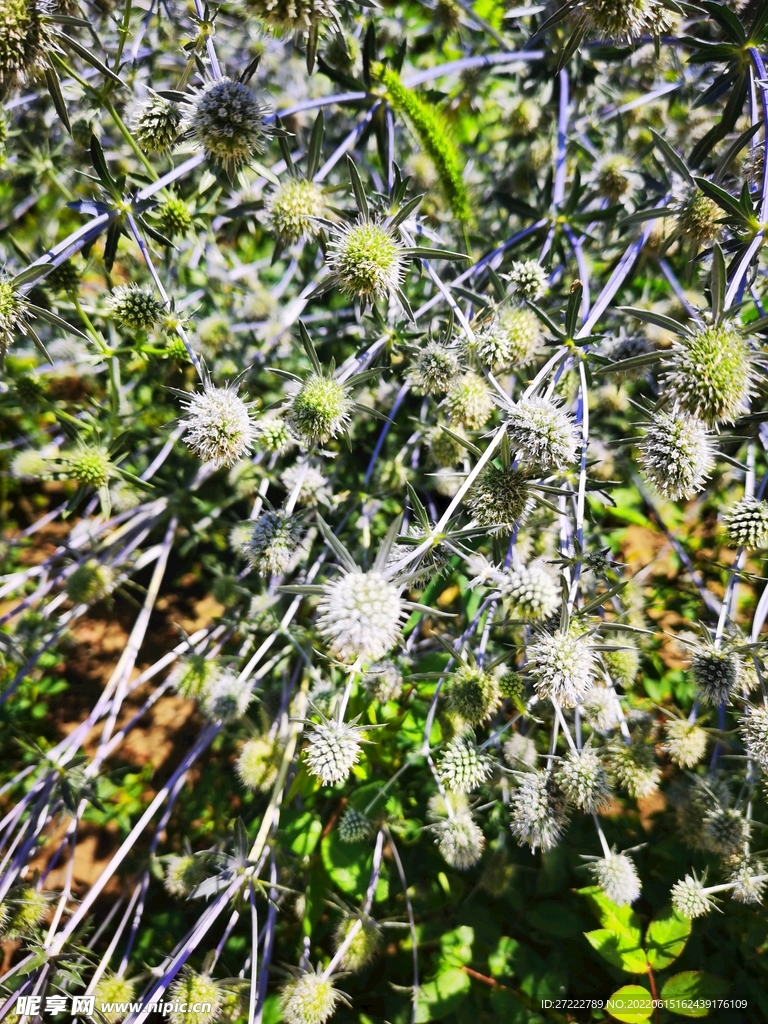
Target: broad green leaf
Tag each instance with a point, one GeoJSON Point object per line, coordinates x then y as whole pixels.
{"type": "Point", "coordinates": [609, 945]}
{"type": "Point", "coordinates": [620, 919]}
{"type": "Point", "coordinates": [666, 938]}
{"type": "Point", "coordinates": [686, 994]}
{"type": "Point", "coordinates": [631, 1004]}
{"type": "Point", "coordinates": [554, 918]}
{"type": "Point", "coordinates": [509, 1009]}
{"type": "Point", "coordinates": [348, 869]}
{"type": "Point", "coordinates": [442, 996]}
{"type": "Point", "coordinates": [456, 946]}
{"type": "Point", "coordinates": [303, 833]}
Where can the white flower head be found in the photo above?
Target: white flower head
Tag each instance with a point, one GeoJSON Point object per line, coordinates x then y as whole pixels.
{"type": "Point", "coordinates": [366, 259]}
{"type": "Point", "coordinates": [563, 666]}
{"type": "Point", "coordinates": [292, 209]}
{"type": "Point", "coordinates": [539, 811]}
{"type": "Point", "coordinates": [530, 593]}
{"type": "Point", "coordinates": [332, 750]}
{"type": "Point", "coordinates": [219, 428]}
{"type": "Point", "coordinates": [361, 616]}
{"type": "Point", "coordinates": [460, 840]}
{"type": "Point", "coordinates": [685, 742]}
{"type": "Point", "coordinates": [528, 279]}
{"type": "Point", "coordinates": [676, 454]}
{"type": "Point", "coordinates": [584, 780]}
{"type": "Point", "coordinates": [462, 767]}
{"type": "Point", "coordinates": [310, 998]}
{"type": "Point", "coordinates": [746, 523]}
{"type": "Point", "coordinates": [754, 732]}
{"type": "Point", "coordinates": [542, 433]}
{"type": "Point", "coordinates": [617, 876]}
{"type": "Point", "coordinates": [225, 696]}
{"type": "Point", "coordinates": [690, 898]}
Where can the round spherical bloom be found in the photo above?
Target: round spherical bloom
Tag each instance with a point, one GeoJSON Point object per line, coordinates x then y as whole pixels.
{"type": "Point", "coordinates": [30, 464]}
{"type": "Point", "coordinates": [716, 673]}
{"type": "Point", "coordinates": [685, 742]}
{"type": "Point", "coordinates": [173, 217]}
{"type": "Point", "coordinates": [462, 767]}
{"type": "Point", "coordinates": [725, 832]}
{"type": "Point", "coordinates": [191, 987]}
{"type": "Point", "coordinates": [26, 37]}
{"type": "Point", "coordinates": [14, 313]}
{"type": "Point", "coordinates": [273, 435]}
{"type": "Point", "coordinates": [64, 278]}
{"type": "Point", "coordinates": [434, 369]}
{"type": "Point", "coordinates": [562, 665]}
{"type": "Point", "coordinates": [365, 944]}
{"type": "Point", "coordinates": [711, 373]}
{"type": "Point", "coordinates": [520, 752]}
{"type": "Point", "coordinates": [384, 681]}
{"type": "Point", "coordinates": [446, 805]}
{"type": "Point", "coordinates": [29, 908]}
{"type": "Point", "coordinates": [157, 125]}
{"type": "Point", "coordinates": [89, 466]}
{"type": "Point", "coordinates": [366, 260]}
{"type": "Point", "coordinates": [530, 593]}
{"type": "Point", "coordinates": [542, 433]}
{"type": "Point", "coordinates": [227, 120]}
{"type": "Point", "coordinates": [525, 117]}
{"type": "Point", "coordinates": [273, 547]}
{"type": "Point", "coordinates": [292, 207]}
{"type": "Point", "coordinates": [225, 697]}
{"type": "Point", "coordinates": [599, 707]}
{"type": "Point", "coordinates": [332, 751]}
{"type": "Point", "coordinates": [618, 20]}
{"type": "Point", "coordinates": [748, 881]}
{"type": "Point", "coordinates": [296, 15]}
{"type": "Point", "coordinates": [676, 455]}
{"type": "Point", "coordinates": [622, 663]}
{"type": "Point", "coordinates": [528, 279]}
{"type": "Point", "coordinates": [460, 840]}
{"type": "Point", "coordinates": [29, 389]}
{"type": "Point", "coordinates": [697, 217]}
{"type": "Point", "coordinates": [354, 827]}
{"type": "Point", "coordinates": [361, 615]}
{"type": "Point", "coordinates": [473, 695]}
{"type": "Point", "coordinates": [309, 999]}
{"type": "Point", "coordinates": [219, 428]}
{"type": "Point", "coordinates": [615, 177]}
{"type": "Point", "coordinates": [523, 334]}
{"type": "Point", "coordinates": [500, 499]}
{"type": "Point", "coordinates": [320, 409]}
{"type": "Point", "coordinates": [89, 582]}
{"type": "Point", "coordinates": [192, 674]}
{"type": "Point", "coordinates": [511, 685]}
{"type": "Point", "coordinates": [690, 898]}
{"type": "Point", "coordinates": [539, 811]}
{"type": "Point", "coordinates": [754, 733]}
{"type": "Point", "coordinates": [111, 990]}
{"type": "Point", "coordinates": [445, 450]}
{"type": "Point", "coordinates": [747, 523]}
{"type": "Point", "coordinates": [617, 876]}
{"type": "Point", "coordinates": [633, 765]}
{"type": "Point", "coordinates": [257, 764]}
{"type": "Point", "coordinates": [343, 51]}
{"type": "Point", "coordinates": [470, 401]}
{"type": "Point", "coordinates": [313, 490]}
{"type": "Point", "coordinates": [182, 874]}
{"type": "Point", "coordinates": [583, 779]}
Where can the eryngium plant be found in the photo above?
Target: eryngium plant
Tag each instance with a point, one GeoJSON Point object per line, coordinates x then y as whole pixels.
{"type": "Point", "coordinates": [383, 483]}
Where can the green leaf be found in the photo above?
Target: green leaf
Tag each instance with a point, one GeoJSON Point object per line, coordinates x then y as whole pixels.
{"type": "Point", "coordinates": [682, 992]}
{"type": "Point", "coordinates": [666, 938]}
{"type": "Point", "coordinates": [631, 1004]}
{"type": "Point", "coordinates": [554, 918]}
{"type": "Point", "coordinates": [671, 158]}
{"type": "Point", "coordinates": [302, 833]}
{"type": "Point", "coordinates": [456, 946]}
{"type": "Point", "coordinates": [348, 869]}
{"type": "Point", "coordinates": [438, 998]}
{"type": "Point", "coordinates": [618, 950]}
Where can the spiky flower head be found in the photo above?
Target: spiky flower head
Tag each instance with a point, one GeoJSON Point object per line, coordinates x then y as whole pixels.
{"type": "Point", "coordinates": [617, 876]}
{"type": "Point", "coordinates": [219, 428]}
{"type": "Point", "coordinates": [562, 665]}
{"type": "Point", "coordinates": [273, 546]}
{"type": "Point", "coordinates": [749, 881]}
{"type": "Point", "coordinates": [599, 708]}
{"type": "Point", "coordinates": [619, 20]}
{"type": "Point", "coordinates": [500, 499]}
{"type": "Point", "coordinates": [90, 581]}
{"type": "Point", "coordinates": [332, 751]}
{"type": "Point", "coordinates": [295, 15]}
{"type": "Point", "coordinates": [26, 37]}
{"type": "Point", "coordinates": [530, 593]}
{"type": "Point", "coordinates": [29, 907]}
{"type": "Point", "coordinates": [539, 811]}
{"type": "Point", "coordinates": [511, 685]}
{"type": "Point", "coordinates": [64, 278]}
{"type": "Point", "coordinates": [384, 681]}
{"type": "Point", "coordinates": [157, 125]}
{"type": "Point", "coordinates": [690, 898]}
{"type": "Point", "coordinates": [273, 435]}
{"type": "Point", "coordinates": [711, 373]}
{"type": "Point", "coordinates": [366, 260]}
{"type": "Point", "coordinates": [354, 827]}
{"type": "Point", "coordinates": [676, 454]}
{"type": "Point", "coordinates": [14, 313]}
{"type": "Point", "coordinates": [725, 832]}
{"type": "Point", "coordinates": [754, 732]}
{"type": "Point", "coordinates": [542, 433]}
{"type": "Point", "coordinates": [460, 840]}
{"type": "Point", "coordinates": [313, 489]}
{"type": "Point", "coordinates": [434, 369]}
{"type": "Point", "coordinates": [633, 765]}
{"type": "Point", "coordinates": [365, 944]}
{"type": "Point", "coordinates": [135, 307]}
{"type": "Point", "coordinates": [227, 119]}
{"type": "Point", "coordinates": [225, 697]}
{"type": "Point", "coordinates": [525, 117]}
{"type": "Point", "coordinates": [584, 780]}
{"type": "Point", "coordinates": [444, 449]}
{"type": "Point", "coordinates": [292, 207]}
{"type": "Point", "coordinates": [622, 663]}
{"type": "Point", "coordinates": [515, 335]}
{"type": "Point", "coordinates": [716, 673]}
{"type": "Point", "coordinates": [446, 805]}
{"type": "Point", "coordinates": [190, 988]}
{"type": "Point", "coordinates": [112, 989]}
{"type": "Point", "coordinates": [182, 874]}
{"type": "Point", "coordinates": [462, 767]}
{"type": "Point", "coordinates": [343, 51]}
{"type": "Point", "coordinates": [520, 752]}
{"type": "Point", "coordinates": [470, 401]}
{"type": "Point", "coordinates": [473, 695]}
{"type": "Point", "coordinates": [361, 615]}
{"type": "Point", "coordinates": [30, 464]}
{"type": "Point", "coordinates": [88, 465]}
{"type": "Point", "coordinates": [192, 674]}
{"type": "Point", "coordinates": [747, 523]}
{"type": "Point", "coordinates": [528, 279]}
{"type": "Point", "coordinates": [174, 217]}
{"type": "Point", "coordinates": [319, 409]}
{"type": "Point", "coordinates": [309, 999]}
{"type": "Point", "coordinates": [685, 742]}
{"type": "Point", "coordinates": [615, 177]}
{"type": "Point", "coordinates": [697, 217]}
{"type": "Point", "coordinates": [257, 764]}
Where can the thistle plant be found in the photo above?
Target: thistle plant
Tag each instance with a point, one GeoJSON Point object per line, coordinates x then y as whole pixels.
{"type": "Point", "coordinates": [219, 427]}
{"type": "Point", "coordinates": [226, 118]}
